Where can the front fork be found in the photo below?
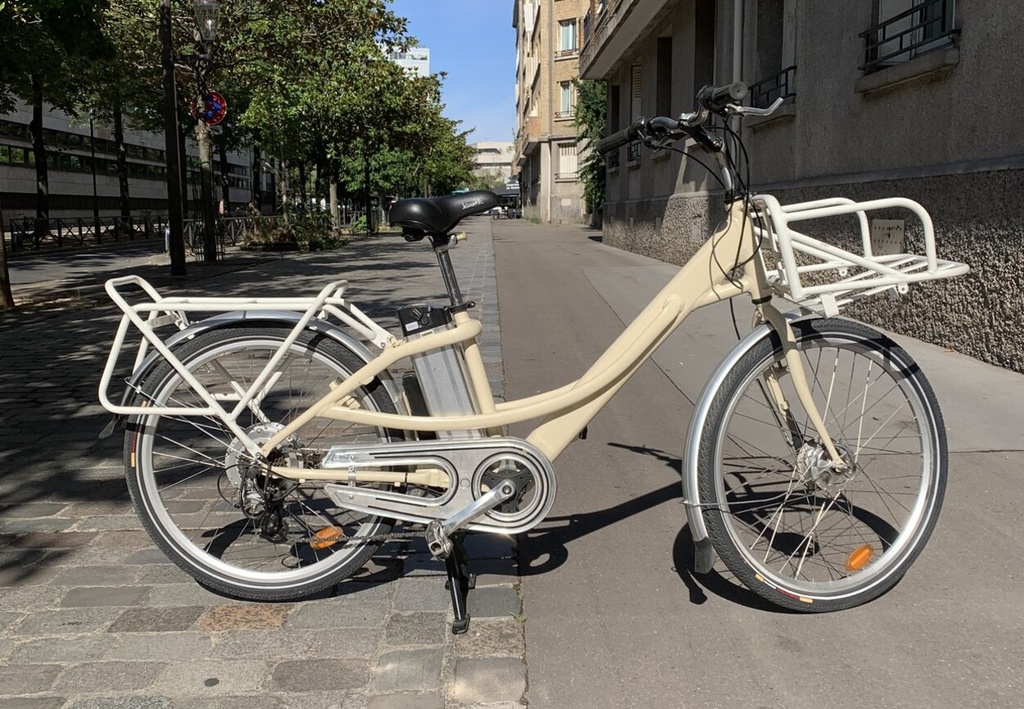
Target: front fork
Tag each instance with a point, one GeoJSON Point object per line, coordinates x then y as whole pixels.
{"type": "Point", "coordinates": [767, 313]}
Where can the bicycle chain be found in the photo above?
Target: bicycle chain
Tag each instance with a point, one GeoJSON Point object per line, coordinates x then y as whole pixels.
{"type": "Point", "coordinates": [383, 537]}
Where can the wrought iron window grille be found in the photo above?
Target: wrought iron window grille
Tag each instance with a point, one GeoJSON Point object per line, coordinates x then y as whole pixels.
{"type": "Point", "coordinates": [766, 91]}
{"type": "Point", "coordinates": [925, 26]}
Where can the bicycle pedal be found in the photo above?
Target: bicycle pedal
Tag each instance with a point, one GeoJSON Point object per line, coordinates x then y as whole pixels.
{"type": "Point", "coordinates": [326, 538]}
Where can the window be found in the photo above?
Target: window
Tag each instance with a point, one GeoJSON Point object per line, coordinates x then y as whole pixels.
{"type": "Point", "coordinates": [567, 38]}
{"type": "Point", "coordinates": [704, 43]}
{"type": "Point", "coordinates": [614, 120]}
{"type": "Point", "coordinates": [566, 162]}
{"type": "Point", "coordinates": [663, 90]}
{"type": "Point", "coordinates": [567, 100]}
{"type": "Point", "coordinates": [904, 29]}
{"type": "Point", "coordinates": [636, 92]}
{"type": "Point", "coordinates": [774, 53]}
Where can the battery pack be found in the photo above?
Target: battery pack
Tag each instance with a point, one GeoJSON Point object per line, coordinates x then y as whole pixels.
{"type": "Point", "coordinates": [441, 372]}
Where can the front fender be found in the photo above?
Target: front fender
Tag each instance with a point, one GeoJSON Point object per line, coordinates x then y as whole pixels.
{"type": "Point", "coordinates": [705, 556]}
{"type": "Point", "coordinates": [257, 318]}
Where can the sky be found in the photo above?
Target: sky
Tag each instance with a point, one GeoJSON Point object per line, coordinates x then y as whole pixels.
{"type": "Point", "coordinates": [473, 41]}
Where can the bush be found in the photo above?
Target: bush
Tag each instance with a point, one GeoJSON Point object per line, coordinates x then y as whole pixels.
{"type": "Point", "coordinates": [305, 232]}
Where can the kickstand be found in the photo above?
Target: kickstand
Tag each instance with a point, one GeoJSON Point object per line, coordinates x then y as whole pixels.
{"type": "Point", "coordinates": [460, 581]}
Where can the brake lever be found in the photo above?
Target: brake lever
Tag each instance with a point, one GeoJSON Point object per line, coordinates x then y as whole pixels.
{"type": "Point", "coordinates": [751, 111]}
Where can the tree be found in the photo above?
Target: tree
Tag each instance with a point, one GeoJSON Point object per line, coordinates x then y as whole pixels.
{"type": "Point", "coordinates": [40, 40]}
{"type": "Point", "coordinates": [591, 126]}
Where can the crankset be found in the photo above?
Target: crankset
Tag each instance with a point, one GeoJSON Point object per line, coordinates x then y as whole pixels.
{"type": "Point", "coordinates": [502, 485]}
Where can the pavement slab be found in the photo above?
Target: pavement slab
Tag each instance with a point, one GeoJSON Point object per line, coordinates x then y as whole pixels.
{"type": "Point", "coordinates": [96, 617]}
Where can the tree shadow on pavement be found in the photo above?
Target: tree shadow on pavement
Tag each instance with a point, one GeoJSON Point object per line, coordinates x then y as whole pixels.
{"type": "Point", "coordinates": [545, 548]}
{"type": "Point", "coordinates": [54, 470]}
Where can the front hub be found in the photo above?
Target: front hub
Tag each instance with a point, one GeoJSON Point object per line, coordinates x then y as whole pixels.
{"type": "Point", "coordinates": [817, 469]}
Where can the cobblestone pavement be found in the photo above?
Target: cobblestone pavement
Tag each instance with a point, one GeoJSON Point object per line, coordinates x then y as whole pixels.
{"type": "Point", "coordinates": [92, 615]}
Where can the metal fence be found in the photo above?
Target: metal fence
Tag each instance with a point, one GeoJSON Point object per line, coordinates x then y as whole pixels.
{"type": "Point", "coordinates": [30, 233]}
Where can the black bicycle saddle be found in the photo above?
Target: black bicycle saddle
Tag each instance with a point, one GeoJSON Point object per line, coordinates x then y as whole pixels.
{"type": "Point", "coordinates": [439, 215]}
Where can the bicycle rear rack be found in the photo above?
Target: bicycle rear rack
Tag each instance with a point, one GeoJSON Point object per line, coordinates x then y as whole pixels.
{"type": "Point", "coordinates": [155, 311]}
{"type": "Point", "coordinates": [824, 277]}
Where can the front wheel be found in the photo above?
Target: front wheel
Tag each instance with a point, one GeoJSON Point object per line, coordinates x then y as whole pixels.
{"type": "Point", "coordinates": [211, 508]}
{"type": "Point", "coordinates": [790, 524]}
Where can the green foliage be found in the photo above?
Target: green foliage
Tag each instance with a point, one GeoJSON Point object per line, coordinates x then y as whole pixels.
{"type": "Point", "coordinates": [309, 83]}
{"type": "Point", "coordinates": [591, 126]}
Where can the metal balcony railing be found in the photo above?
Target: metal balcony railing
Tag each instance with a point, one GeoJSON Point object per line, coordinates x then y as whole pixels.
{"type": "Point", "coordinates": [925, 26]}
{"type": "Point", "coordinates": [766, 91]}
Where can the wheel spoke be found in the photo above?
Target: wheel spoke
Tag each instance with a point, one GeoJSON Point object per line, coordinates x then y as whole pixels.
{"type": "Point", "coordinates": [791, 516]}
{"type": "Point", "coordinates": [243, 529]}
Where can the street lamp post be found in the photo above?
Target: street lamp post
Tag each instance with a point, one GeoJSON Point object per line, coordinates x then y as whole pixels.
{"type": "Point", "coordinates": [207, 12]}
{"type": "Point", "coordinates": [176, 242]}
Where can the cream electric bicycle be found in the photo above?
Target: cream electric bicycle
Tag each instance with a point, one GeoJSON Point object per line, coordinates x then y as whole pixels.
{"type": "Point", "coordinates": [269, 449]}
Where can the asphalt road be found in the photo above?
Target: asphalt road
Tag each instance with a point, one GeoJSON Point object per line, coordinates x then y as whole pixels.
{"type": "Point", "coordinates": [614, 617]}
{"type": "Point", "coordinates": [29, 267]}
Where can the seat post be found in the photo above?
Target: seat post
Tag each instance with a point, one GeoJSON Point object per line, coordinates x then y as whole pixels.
{"type": "Point", "coordinates": [442, 245]}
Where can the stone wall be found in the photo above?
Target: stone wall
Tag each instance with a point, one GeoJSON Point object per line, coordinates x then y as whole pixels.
{"type": "Point", "coordinates": [978, 219]}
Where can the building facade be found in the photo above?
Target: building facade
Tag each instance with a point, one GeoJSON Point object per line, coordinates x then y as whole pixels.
{"type": "Point", "coordinates": [548, 36]}
{"type": "Point", "coordinates": [493, 160]}
{"type": "Point", "coordinates": [82, 168]}
{"type": "Point", "coordinates": [884, 98]}
{"type": "Point", "coordinates": [416, 60]}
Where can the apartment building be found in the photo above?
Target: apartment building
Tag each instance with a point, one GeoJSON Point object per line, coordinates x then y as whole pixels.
{"type": "Point", "coordinates": [415, 60]}
{"type": "Point", "coordinates": [493, 159]}
{"type": "Point", "coordinates": [884, 98]}
{"type": "Point", "coordinates": [82, 168]}
{"type": "Point", "coordinates": [548, 34]}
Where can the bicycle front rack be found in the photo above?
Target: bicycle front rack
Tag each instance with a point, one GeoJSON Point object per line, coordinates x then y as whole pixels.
{"type": "Point", "coordinates": [824, 277]}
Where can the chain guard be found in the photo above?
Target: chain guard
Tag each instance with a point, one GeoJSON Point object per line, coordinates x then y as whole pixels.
{"type": "Point", "coordinates": [473, 467]}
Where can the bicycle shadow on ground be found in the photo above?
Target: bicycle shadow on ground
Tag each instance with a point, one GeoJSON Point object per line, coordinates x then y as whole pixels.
{"type": "Point", "coordinates": [545, 548]}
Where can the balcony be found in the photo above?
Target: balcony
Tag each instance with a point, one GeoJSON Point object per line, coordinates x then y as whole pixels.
{"type": "Point", "coordinates": [610, 29]}
{"type": "Point", "coordinates": [765, 92]}
{"type": "Point", "coordinates": [925, 26]}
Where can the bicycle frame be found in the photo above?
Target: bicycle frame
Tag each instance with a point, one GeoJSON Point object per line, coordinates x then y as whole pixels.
{"type": "Point", "coordinates": [566, 411]}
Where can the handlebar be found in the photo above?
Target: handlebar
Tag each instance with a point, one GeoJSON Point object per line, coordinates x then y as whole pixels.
{"type": "Point", "coordinates": [617, 140]}
{"type": "Point", "coordinates": [710, 99]}
{"type": "Point", "coordinates": [716, 98]}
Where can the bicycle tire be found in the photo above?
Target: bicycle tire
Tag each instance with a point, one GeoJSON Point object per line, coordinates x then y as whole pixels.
{"type": "Point", "coordinates": [186, 481]}
{"type": "Point", "coordinates": [802, 535]}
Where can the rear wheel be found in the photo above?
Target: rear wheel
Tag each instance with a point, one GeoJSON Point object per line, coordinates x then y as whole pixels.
{"type": "Point", "coordinates": [789, 524]}
{"type": "Point", "coordinates": [214, 511]}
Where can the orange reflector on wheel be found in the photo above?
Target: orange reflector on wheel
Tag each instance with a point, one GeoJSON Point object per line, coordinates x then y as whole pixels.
{"type": "Point", "coordinates": [326, 537]}
{"type": "Point", "coordinates": [859, 558]}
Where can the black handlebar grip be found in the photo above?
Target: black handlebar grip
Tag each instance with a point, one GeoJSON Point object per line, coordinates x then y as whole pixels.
{"type": "Point", "coordinates": [715, 98]}
{"type": "Point", "coordinates": [616, 140]}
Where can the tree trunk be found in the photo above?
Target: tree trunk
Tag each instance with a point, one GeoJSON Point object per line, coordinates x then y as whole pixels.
{"type": "Point", "coordinates": [39, 154]}
{"type": "Point", "coordinates": [256, 201]}
{"type": "Point", "coordinates": [6, 296]}
{"type": "Point", "coordinates": [225, 181]}
{"type": "Point", "coordinates": [183, 168]}
{"type": "Point", "coordinates": [122, 164]}
{"type": "Point", "coordinates": [209, 213]}
{"type": "Point", "coordinates": [303, 194]}
{"type": "Point", "coordinates": [335, 211]}
{"type": "Point", "coordinates": [370, 225]}
{"type": "Point", "coordinates": [282, 186]}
